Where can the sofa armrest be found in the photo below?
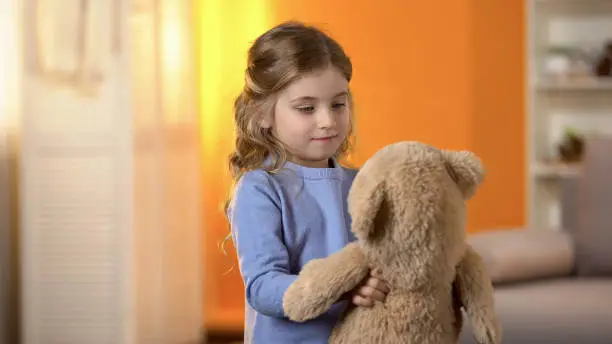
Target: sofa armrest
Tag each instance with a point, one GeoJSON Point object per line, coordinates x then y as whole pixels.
{"type": "Point", "coordinates": [524, 254]}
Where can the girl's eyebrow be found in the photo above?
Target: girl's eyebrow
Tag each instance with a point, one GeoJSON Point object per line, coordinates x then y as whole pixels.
{"type": "Point", "coordinates": [311, 98]}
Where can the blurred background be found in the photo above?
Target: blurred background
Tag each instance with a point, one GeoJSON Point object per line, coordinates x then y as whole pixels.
{"type": "Point", "coordinates": [116, 124]}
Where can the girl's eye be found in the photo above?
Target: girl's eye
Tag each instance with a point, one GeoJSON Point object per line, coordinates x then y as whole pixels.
{"type": "Point", "coordinates": [306, 108]}
{"type": "Point", "coordinates": [339, 105]}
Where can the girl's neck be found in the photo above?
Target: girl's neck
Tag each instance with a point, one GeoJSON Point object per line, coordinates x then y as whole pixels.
{"type": "Point", "coordinates": [327, 163]}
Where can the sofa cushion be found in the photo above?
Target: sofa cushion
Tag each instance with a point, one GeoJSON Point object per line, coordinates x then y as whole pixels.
{"type": "Point", "coordinates": [518, 255]}
{"type": "Point", "coordinates": [593, 232]}
{"type": "Point", "coordinates": [558, 310]}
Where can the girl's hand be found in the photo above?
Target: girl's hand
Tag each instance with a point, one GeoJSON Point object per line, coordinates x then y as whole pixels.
{"type": "Point", "coordinates": [370, 290]}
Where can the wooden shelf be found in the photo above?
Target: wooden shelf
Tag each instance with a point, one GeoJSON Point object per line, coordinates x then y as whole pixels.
{"type": "Point", "coordinates": [575, 84]}
{"type": "Point", "coordinates": [578, 101]}
{"type": "Point", "coordinates": [555, 170]}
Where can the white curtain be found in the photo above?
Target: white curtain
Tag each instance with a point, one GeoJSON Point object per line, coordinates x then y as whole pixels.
{"type": "Point", "coordinates": [110, 180]}
{"type": "Point", "coordinates": [167, 170]}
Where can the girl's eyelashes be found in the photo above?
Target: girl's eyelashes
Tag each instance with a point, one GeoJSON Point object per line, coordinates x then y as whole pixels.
{"type": "Point", "coordinates": [305, 108]}
{"type": "Point", "coordinates": [311, 108]}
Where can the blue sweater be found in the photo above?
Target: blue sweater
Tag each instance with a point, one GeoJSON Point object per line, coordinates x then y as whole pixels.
{"type": "Point", "coordinates": [280, 222]}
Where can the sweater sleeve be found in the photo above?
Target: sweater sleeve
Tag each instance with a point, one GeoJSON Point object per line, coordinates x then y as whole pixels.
{"type": "Point", "coordinates": [256, 225]}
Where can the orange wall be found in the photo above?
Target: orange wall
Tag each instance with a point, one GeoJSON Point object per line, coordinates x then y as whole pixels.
{"type": "Point", "coordinates": [450, 76]}
{"type": "Point", "coordinates": [447, 75]}
{"type": "Point", "coordinates": [498, 123]}
{"type": "Point", "coordinates": [411, 67]}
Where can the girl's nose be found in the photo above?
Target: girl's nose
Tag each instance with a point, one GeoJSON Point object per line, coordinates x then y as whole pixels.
{"type": "Point", "coordinates": [326, 119]}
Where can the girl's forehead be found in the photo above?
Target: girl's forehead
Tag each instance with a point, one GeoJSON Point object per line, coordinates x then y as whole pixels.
{"type": "Point", "coordinates": [326, 83]}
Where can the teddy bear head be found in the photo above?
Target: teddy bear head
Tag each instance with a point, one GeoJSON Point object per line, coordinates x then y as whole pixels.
{"type": "Point", "coordinates": [408, 208]}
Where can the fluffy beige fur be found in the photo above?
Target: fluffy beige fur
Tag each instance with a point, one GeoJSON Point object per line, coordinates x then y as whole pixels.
{"type": "Point", "coordinates": [408, 205]}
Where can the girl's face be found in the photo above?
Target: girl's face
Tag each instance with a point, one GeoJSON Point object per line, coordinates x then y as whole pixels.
{"type": "Point", "coordinates": [311, 117]}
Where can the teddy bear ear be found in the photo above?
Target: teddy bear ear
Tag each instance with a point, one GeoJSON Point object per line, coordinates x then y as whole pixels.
{"type": "Point", "coordinates": [466, 169]}
{"type": "Point", "coordinates": [365, 202]}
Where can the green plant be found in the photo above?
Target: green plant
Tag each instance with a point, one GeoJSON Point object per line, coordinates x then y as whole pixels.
{"type": "Point", "coordinates": [571, 147]}
{"type": "Point", "coordinates": [560, 50]}
{"type": "Point", "coordinates": [572, 133]}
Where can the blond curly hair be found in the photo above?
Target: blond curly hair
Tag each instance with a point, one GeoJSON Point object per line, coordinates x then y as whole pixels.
{"type": "Point", "coordinates": [276, 59]}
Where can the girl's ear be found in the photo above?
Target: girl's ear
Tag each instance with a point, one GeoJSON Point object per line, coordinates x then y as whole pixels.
{"type": "Point", "coordinates": [265, 123]}
{"type": "Point", "coordinates": [267, 116]}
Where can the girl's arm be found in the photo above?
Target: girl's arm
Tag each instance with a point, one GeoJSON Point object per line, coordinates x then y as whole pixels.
{"type": "Point", "coordinates": [257, 232]}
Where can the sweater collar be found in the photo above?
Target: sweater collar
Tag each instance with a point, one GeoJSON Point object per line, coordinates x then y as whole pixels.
{"type": "Point", "coordinates": [335, 172]}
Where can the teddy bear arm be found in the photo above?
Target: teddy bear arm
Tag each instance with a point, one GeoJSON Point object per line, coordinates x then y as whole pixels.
{"type": "Point", "coordinates": [476, 293]}
{"type": "Point", "coordinates": [322, 282]}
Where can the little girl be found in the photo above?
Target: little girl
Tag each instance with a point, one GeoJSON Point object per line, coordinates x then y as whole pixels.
{"type": "Point", "coordinates": [293, 123]}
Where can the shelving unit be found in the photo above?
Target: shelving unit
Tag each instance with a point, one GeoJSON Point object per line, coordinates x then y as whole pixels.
{"type": "Point", "coordinates": [562, 96]}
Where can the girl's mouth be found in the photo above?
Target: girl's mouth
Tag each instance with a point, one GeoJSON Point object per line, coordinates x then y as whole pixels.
{"type": "Point", "coordinates": [326, 138]}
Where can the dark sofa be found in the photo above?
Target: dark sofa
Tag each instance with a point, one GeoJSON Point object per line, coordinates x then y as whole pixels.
{"type": "Point", "coordinates": [555, 285]}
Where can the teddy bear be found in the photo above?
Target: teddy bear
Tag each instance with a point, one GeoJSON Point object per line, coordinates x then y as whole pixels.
{"type": "Point", "coordinates": [408, 210]}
